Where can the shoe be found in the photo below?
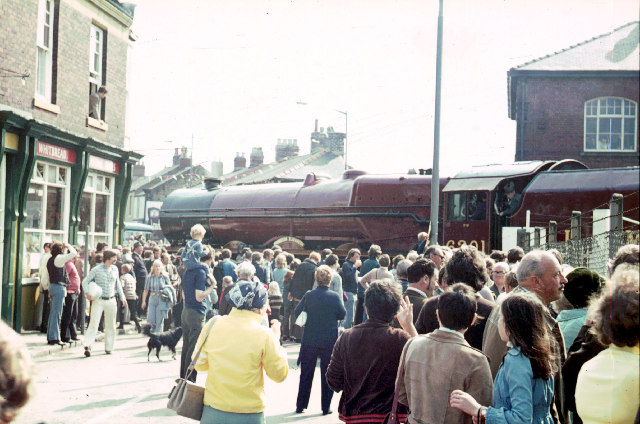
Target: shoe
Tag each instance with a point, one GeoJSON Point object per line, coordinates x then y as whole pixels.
{"type": "Point", "coordinates": [55, 342]}
{"type": "Point", "coordinates": [299, 410]}
{"type": "Point", "coordinates": [87, 351]}
{"type": "Point", "coordinates": [327, 412]}
{"type": "Point", "coordinates": [75, 339]}
{"type": "Point", "coordinates": [139, 329]}
{"type": "Point", "coordinates": [121, 331]}
{"type": "Point", "coordinates": [65, 341]}
{"type": "Point", "coordinates": [108, 352]}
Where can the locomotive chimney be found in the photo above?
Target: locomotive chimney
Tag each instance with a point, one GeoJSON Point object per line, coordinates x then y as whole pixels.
{"type": "Point", "coordinates": [256, 158]}
{"type": "Point", "coordinates": [211, 184]}
{"type": "Point", "coordinates": [240, 162]}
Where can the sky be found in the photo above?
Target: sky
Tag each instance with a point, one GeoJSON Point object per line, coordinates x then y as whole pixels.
{"type": "Point", "coordinates": [229, 74]}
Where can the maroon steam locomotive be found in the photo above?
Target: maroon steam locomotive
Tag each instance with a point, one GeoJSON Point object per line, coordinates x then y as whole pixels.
{"type": "Point", "coordinates": [390, 210]}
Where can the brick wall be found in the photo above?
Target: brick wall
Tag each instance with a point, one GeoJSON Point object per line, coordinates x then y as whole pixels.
{"type": "Point", "coordinates": [554, 118]}
{"type": "Point", "coordinates": [18, 52]}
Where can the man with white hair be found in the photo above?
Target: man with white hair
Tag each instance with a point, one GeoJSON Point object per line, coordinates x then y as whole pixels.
{"type": "Point", "coordinates": [540, 273]}
{"type": "Point", "coordinates": [497, 275]}
{"type": "Point", "coordinates": [401, 273]}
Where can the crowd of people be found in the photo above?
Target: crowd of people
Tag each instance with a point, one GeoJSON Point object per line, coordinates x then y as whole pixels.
{"type": "Point", "coordinates": [498, 338]}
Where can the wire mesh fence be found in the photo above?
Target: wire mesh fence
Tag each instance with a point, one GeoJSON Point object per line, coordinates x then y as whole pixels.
{"type": "Point", "coordinates": [593, 252]}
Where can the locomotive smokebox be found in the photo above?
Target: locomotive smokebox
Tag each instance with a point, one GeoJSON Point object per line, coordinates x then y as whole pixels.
{"type": "Point", "coordinates": [211, 184]}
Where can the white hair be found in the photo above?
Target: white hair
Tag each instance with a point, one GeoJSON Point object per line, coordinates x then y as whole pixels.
{"type": "Point", "coordinates": [245, 270]}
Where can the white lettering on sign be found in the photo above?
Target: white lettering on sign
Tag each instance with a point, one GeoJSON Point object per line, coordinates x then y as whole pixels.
{"type": "Point", "coordinates": [56, 152]}
{"type": "Point", "coordinates": [102, 164]}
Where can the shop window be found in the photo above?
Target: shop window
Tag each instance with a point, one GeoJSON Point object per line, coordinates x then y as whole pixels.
{"type": "Point", "coordinates": [46, 209]}
{"type": "Point", "coordinates": [96, 210]}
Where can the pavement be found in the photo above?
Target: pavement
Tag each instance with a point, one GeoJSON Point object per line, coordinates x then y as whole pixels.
{"type": "Point", "coordinates": [126, 387]}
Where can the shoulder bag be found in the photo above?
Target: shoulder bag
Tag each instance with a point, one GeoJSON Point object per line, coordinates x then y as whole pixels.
{"type": "Point", "coordinates": [301, 321]}
{"type": "Point", "coordinates": [392, 417]}
{"type": "Point", "coordinates": [187, 398]}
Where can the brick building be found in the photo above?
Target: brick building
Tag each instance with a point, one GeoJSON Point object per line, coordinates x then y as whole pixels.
{"type": "Point", "coordinates": [580, 103]}
{"type": "Point", "coordinates": [62, 169]}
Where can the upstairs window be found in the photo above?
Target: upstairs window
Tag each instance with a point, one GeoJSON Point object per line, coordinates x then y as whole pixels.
{"type": "Point", "coordinates": [610, 125]}
{"type": "Point", "coordinates": [97, 66]}
{"type": "Point", "coordinates": [44, 60]}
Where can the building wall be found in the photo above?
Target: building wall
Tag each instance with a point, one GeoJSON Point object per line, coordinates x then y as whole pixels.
{"type": "Point", "coordinates": [18, 52]}
{"type": "Point", "coordinates": [553, 118]}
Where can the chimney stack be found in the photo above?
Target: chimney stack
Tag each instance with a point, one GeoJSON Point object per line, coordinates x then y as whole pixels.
{"type": "Point", "coordinates": [240, 162]}
{"type": "Point", "coordinates": [256, 158]}
{"type": "Point", "coordinates": [286, 148]}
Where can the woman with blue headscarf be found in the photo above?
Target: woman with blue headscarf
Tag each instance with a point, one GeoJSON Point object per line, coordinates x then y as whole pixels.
{"type": "Point", "coordinates": [236, 351]}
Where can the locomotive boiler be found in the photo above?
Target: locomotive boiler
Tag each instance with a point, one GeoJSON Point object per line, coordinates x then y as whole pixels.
{"type": "Point", "coordinates": [355, 211]}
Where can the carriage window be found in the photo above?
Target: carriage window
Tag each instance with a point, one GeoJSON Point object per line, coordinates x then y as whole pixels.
{"type": "Point", "coordinates": [456, 206]}
{"type": "Point", "coordinates": [477, 206]}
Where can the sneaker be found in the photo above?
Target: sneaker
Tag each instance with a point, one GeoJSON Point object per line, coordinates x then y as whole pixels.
{"type": "Point", "coordinates": [87, 351]}
{"type": "Point", "coordinates": [108, 352]}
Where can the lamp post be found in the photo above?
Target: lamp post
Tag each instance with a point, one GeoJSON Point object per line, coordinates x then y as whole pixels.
{"type": "Point", "coordinates": [435, 178]}
{"type": "Point", "coordinates": [346, 129]}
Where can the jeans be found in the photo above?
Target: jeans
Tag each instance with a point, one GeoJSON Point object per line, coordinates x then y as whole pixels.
{"type": "Point", "coordinates": [69, 315]}
{"type": "Point", "coordinates": [98, 306]}
{"type": "Point", "coordinates": [57, 294]}
{"type": "Point", "coordinates": [155, 316]}
{"type": "Point", "coordinates": [213, 416]}
{"type": "Point", "coordinates": [348, 322]}
{"type": "Point", "coordinates": [192, 323]}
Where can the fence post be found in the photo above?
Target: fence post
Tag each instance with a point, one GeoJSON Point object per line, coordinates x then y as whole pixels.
{"type": "Point", "coordinates": [522, 238]}
{"type": "Point", "coordinates": [552, 236]}
{"type": "Point", "coordinates": [576, 225]}
{"type": "Point", "coordinates": [536, 238]}
{"type": "Point", "coordinates": [615, 221]}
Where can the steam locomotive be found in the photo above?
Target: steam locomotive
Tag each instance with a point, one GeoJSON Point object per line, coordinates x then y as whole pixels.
{"type": "Point", "coordinates": [390, 210]}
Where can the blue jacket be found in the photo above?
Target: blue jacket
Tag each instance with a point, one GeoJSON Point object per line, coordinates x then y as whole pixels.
{"type": "Point", "coordinates": [349, 281]}
{"type": "Point", "coordinates": [517, 396]}
{"type": "Point", "coordinates": [324, 309]}
{"type": "Point", "coordinates": [229, 270]}
{"type": "Point", "coordinates": [570, 322]}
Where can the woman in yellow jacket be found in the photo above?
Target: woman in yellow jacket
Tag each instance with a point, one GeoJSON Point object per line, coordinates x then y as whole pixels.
{"type": "Point", "coordinates": [235, 354]}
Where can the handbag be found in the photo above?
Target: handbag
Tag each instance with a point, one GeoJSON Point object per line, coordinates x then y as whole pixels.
{"type": "Point", "coordinates": [301, 321]}
{"type": "Point", "coordinates": [392, 417]}
{"type": "Point", "coordinates": [187, 398]}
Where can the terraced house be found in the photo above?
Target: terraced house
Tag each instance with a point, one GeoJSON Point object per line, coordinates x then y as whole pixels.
{"type": "Point", "coordinates": [65, 165]}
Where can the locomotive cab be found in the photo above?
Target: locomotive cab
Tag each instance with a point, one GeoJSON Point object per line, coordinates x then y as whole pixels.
{"type": "Point", "coordinates": [479, 202]}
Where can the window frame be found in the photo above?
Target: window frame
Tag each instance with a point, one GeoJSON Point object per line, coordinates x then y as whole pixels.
{"type": "Point", "coordinates": [92, 188]}
{"type": "Point", "coordinates": [42, 233]}
{"type": "Point", "coordinates": [46, 8]}
{"type": "Point", "coordinates": [96, 50]}
{"type": "Point", "coordinates": [598, 115]}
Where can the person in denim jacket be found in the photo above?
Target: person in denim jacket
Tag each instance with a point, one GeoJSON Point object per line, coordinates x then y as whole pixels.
{"type": "Point", "coordinates": [194, 249]}
{"type": "Point", "coordinates": [523, 387]}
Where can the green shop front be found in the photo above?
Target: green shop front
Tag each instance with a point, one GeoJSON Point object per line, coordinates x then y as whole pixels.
{"type": "Point", "coordinates": [54, 186]}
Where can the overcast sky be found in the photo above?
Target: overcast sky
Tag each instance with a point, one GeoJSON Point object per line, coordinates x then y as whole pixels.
{"type": "Point", "coordinates": [230, 72]}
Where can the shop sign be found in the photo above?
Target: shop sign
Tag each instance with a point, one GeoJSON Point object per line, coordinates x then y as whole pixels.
{"type": "Point", "coordinates": [104, 165]}
{"type": "Point", "coordinates": [56, 152]}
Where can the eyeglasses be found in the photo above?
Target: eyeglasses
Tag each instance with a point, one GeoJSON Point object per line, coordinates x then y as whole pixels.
{"type": "Point", "coordinates": [498, 272]}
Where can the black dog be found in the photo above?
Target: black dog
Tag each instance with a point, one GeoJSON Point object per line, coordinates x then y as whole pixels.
{"type": "Point", "coordinates": [156, 341]}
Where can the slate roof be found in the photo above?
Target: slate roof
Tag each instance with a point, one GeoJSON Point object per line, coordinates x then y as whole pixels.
{"type": "Point", "coordinates": [292, 169]}
{"type": "Point", "coordinates": [614, 51]}
{"type": "Point", "coordinates": [159, 178]}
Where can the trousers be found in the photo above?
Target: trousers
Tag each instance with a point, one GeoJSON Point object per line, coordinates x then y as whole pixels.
{"type": "Point", "coordinates": [214, 416]}
{"type": "Point", "coordinates": [154, 315]}
{"type": "Point", "coordinates": [69, 315]}
{"type": "Point", "coordinates": [98, 306]}
{"type": "Point", "coordinates": [348, 321]}
{"type": "Point", "coordinates": [308, 358]}
{"type": "Point", "coordinates": [192, 323]}
{"type": "Point", "coordinates": [57, 294]}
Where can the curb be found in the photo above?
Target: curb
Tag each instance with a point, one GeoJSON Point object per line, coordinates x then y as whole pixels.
{"type": "Point", "coordinates": [49, 350]}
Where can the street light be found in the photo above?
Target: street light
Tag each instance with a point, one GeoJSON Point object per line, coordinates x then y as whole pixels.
{"type": "Point", "coordinates": [346, 128]}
